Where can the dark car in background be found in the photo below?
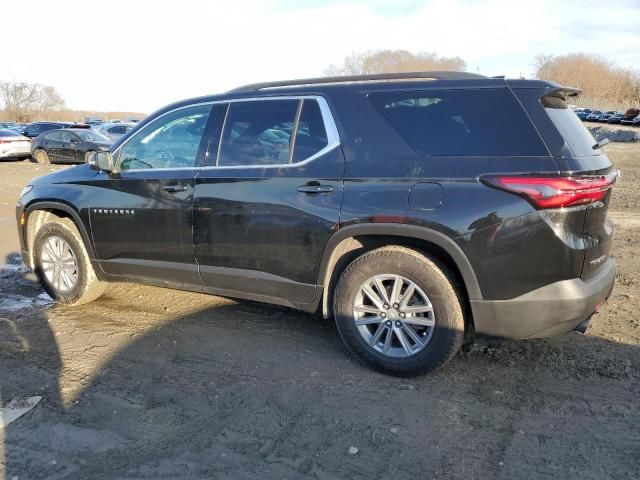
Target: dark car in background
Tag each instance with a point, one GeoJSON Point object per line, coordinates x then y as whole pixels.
{"type": "Point", "coordinates": [594, 116]}
{"type": "Point", "coordinates": [583, 113]}
{"type": "Point", "coordinates": [416, 209]}
{"type": "Point", "coordinates": [69, 145]}
{"type": "Point", "coordinates": [604, 118]}
{"type": "Point", "coordinates": [617, 118]}
{"type": "Point", "coordinates": [38, 128]}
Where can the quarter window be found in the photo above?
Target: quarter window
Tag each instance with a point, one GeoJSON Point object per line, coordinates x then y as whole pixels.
{"type": "Point", "coordinates": [480, 122]}
{"type": "Point", "coordinates": [171, 141]}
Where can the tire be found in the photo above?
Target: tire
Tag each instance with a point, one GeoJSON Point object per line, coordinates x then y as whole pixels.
{"type": "Point", "coordinates": [434, 311]}
{"type": "Point", "coordinates": [42, 157]}
{"type": "Point", "coordinates": [79, 285]}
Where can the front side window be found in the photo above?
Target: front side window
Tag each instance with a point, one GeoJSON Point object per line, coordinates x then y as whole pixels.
{"type": "Point", "coordinates": [466, 122]}
{"type": "Point", "coordinates": [170, 141]}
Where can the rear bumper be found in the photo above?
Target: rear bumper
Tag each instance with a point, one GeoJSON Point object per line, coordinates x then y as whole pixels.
{"type": "Point", "coordinates": [550, 310]}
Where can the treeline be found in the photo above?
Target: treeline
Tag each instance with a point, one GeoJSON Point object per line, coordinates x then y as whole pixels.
{"type": "Point", "coordinates": [605, 85]}
{"type": "Point", "coordinates": [29, 102]}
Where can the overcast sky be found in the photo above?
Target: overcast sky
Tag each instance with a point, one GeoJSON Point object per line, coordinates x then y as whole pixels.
{"type": "Point", "coordinates": [134, 55]}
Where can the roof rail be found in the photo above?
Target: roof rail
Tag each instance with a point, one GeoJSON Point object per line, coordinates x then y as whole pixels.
{"type": "Point", "coordinates": [376, 77]}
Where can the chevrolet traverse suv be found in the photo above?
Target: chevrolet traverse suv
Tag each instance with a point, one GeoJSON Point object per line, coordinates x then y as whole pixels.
{"type": "Point", "coordinates": [415, 209]}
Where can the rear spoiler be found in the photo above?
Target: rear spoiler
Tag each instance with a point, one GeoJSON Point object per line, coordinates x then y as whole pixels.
{"type": "Point", "coordinates": [557, 97]}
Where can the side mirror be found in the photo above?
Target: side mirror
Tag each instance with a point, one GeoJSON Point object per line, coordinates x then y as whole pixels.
{"type": "Point", "coordinates": [101, 161]}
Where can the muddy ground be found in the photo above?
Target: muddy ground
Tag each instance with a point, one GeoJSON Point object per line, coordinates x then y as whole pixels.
{"type": "Point", "coordinates": [153, 383]}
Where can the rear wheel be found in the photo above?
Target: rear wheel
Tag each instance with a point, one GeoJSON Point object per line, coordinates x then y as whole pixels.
{"type": "Point", "coordinates": [62, 264]}
{"type": "Point", "coordinates": [398, 311]}
{"type": "Point", "coordinates": [42, 157]}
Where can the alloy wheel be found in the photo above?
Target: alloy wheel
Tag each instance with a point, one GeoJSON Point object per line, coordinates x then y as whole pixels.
{"type": "Point", "coordinates": [393, 315]}
{"type": "Point", "coordinates": [59, 264]}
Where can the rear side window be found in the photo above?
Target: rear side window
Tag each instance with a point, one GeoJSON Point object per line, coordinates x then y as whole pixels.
{"type": "Point", "coordinates": [311, 135]}
{"type": "Point", "coordinates": [271, 132]}
{"type": "Point", "coordinates": [482, 122]}
{"type": "Point", "coordinates": [258, 133]}
{"type": "Point", "coordinates": [55, 136]}
{"type": "Point", "coordinates": [570, 127]}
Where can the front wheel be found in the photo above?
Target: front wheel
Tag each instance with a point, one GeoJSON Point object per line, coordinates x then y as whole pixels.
{"type": "Point", "coordinates": [398, 311]}
{"type": "Point", "coordinates": [63, 266]}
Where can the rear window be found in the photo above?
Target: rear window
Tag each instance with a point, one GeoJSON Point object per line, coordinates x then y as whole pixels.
{"type": "Point", "coordinates": [570, 127]}
{"type": "Point", "coordinates": [482, 122]}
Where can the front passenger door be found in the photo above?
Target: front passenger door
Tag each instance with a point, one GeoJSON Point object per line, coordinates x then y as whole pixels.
{"type": "Point", "coordinates": [142, 218]}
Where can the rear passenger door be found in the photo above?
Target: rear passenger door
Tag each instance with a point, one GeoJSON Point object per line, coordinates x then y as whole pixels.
{"type": "Point", "coordinates": [268, 198]}
{"type": "Point", "coordinates": [53, 145]}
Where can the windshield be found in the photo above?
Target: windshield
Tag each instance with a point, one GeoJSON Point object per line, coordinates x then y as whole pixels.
{"type": "Point", "coordinates": [92, 136]}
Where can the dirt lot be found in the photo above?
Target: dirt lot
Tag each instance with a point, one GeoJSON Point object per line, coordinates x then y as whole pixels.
{"type": "Point", "coordinates": [152, 383]}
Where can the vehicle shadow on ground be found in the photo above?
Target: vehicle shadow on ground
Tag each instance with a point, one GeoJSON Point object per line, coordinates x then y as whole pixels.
{"type": "Point", "coordinates": [241, 390]}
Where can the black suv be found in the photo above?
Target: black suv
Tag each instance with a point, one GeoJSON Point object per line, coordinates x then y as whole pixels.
{"type": "Point", "coordinates": [416, 209]}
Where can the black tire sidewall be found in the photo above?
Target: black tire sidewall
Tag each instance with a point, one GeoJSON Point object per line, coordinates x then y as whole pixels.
{"type": "Point", "coordinates": [449, 327]}
{"type": "Point", "coordinates": [55, 229]}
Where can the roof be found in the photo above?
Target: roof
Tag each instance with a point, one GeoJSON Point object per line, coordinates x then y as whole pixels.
{"type": "Point", "coordinates": [377, 77]}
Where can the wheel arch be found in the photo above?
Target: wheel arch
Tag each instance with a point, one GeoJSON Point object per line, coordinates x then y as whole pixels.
{"type": "Point", "coordinates": [351, 241]}
{"type": "Point", "coordinates": [38, 213]}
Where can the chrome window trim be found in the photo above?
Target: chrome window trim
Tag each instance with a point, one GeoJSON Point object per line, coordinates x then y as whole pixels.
{"type": "Point", "coordinates": [333, 138]}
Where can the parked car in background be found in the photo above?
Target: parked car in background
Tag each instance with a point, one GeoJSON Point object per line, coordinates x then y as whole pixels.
{"type": "Point", "coordinates": [606, 116]}
{"type": "Point", "coordinates": [415, 209]}
{"type": "Point", "coordinates": [9, 125]}
{"type": "Point", "coordinates": [630, 115]}
{"type": "Point", "coordinates": [617, 118]}
{"type": "Point", "coordinates": [69, 145]}
{"type": "Point", "coordinates": [38, 128]}
{"type": "Point", "coordinates": [13, 145]}
{"type": "Point", "coordinates": [114, 130]}
{"type": "Point", "coordinates": [583, 113]}
{"type": "Point", "coordinates": [594, 116]}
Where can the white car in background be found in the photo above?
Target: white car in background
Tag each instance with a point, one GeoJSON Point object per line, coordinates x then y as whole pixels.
{"type": "Point", "coordinates": [13, 145]}
{"type": "Point", "coordinates": [114, 130]}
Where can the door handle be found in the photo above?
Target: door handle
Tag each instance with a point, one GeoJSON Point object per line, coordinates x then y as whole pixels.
{"type": "Point", "coordinates": [315, 188]}
{"type": "Point", "coordinates": [174, 188]}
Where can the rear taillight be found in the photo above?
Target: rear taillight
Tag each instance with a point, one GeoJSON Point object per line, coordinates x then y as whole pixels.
{"type": "Point", "coordinates": [555, 192]}
{"type": "Point", "coordinates": [5, 141]}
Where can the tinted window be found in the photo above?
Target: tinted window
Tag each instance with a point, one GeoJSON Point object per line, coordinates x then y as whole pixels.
{"type": "Point", "coordinates": [460, 122]}
{"type": "Point", "coordinates": [8, 133]}
{"type": "Point", "coordinates": [67, 137]}
{"type": "Point", "coordinates": [119, 130]}
{"type": "Point", "coordinates": [171, 141]}
{"type": "Point", "coordinates": [258, 133]}
{"type": "Point", "coordinates": [311, 135]}
{"type": "Point", "coordinates": [570, 127]}
{"type": "Point", "coordinates": [55, 136]}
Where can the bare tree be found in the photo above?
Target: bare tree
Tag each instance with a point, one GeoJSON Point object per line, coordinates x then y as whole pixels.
{"type": "Point", "coordinates": [19, 99]}
{"type": "Point", "coordinates": [393, 61]}
{"type": "Point", "coordinates": [49, 100]}
{"type": "Point", "coordinates": [24, 101]}
{"type": "Point", "coordinates": [604, 85]}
